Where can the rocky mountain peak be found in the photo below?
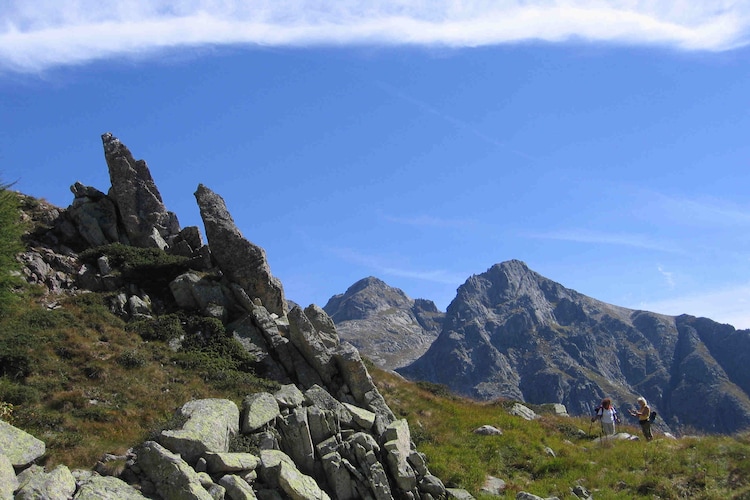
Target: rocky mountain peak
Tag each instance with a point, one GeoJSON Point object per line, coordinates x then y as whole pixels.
{"type": "Point", "coordinates": [365, 298]}
{"type": "Point", "coordinates": [512, 333]}
{"type": "Point", "coordinates": [383, 322]}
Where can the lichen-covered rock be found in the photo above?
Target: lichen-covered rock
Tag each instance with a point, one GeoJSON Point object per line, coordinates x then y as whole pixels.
{"type": "Point", "coordinates": [258, 410]}
{"type": "Point", "coordinates": [311, 345]}
{"type": "Point", "coordinates": [298, 485]}
{"type": "Point", "coordinates": [20, 447]}
{"type": "Point", "coordinates": [106, 488]}
{"type": "Point", "coordinates": [210, 425]}
{"type": "Point", "coordinates": [37, 484]}
{"type": "Point", "coordinates": [237, 488]}
{"type": "Point", "coordinates": [173, 478]}
{"type": "Point", "coordinates": [289, 396]}
{"type": "Point", "coordinates": [230, 462]}
{"type": "Point", "coordinates": [363, 418]}
{"type": "Point", "coordinates": [8, 480]}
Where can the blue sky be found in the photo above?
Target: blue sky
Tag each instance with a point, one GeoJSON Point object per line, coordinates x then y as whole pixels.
{"type": "Point", "coordinates": [605, 144]}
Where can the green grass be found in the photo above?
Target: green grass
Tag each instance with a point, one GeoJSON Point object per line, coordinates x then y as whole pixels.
{"type": "Point", "coordinates": [86, 385]}
{"type": "Point", "coordinates": [699, 467]}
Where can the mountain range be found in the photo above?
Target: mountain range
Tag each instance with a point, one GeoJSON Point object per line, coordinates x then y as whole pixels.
{"type": "Point", "coordinates": [512, 333]}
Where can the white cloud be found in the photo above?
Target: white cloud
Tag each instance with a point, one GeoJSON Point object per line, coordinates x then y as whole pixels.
{"type": "Point", "coordinates": [668, 277]}
{"type": "Point", "coordinates": [727, 305]}
{"type": "Point", "coordinates": [38, 34]}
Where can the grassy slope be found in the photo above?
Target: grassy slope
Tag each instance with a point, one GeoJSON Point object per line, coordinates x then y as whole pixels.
{"type": "Point", "coordinates": [699, 467]}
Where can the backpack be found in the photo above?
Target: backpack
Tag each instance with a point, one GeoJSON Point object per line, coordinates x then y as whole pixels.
{"type": "Point", "coordinates": [598, 414]}
{"type": "Point", "coordinates": [652, 416]}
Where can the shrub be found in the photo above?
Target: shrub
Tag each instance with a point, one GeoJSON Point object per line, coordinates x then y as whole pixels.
{"type": "Point", "coordinates": [15, 353]}
{"type": "Point", "coordinates": [164, 328]}
{"type": "Point", "coordinates": [6, 411]}
{"type": "Point", "coordinates": [132, 359]}
{"type": "Point", "coordinates": [14, 393]}
{"type": "Point", "coordinates": [150, 268]}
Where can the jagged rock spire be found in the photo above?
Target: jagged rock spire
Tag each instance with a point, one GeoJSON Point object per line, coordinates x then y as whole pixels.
{"type": "Point", "coordinates": [240, 260]}
{"type": "Point", "coordinates": [146, 220]}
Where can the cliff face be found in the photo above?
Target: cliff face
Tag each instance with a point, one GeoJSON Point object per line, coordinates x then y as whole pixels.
{"type": "Point", "coordinates": [512, 333]}
{"type": "Point", "coordinates": [385, 324]}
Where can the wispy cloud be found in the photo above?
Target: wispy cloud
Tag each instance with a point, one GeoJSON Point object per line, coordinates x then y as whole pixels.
{"type": "Point", "coordinates": [383, 267]}
{"type": "Point", "coordinates": [668, 277]}
{"type": "Point", "coordinates": [708, 212]}
{"type": "Point", "coordinates": [38, 34]}
{"type": "Point", "coordinates": [621, 239]}
{"type": "Point", "coordinates": [726, 305]}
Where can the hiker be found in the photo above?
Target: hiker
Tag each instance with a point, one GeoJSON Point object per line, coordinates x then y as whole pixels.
{"type": "Point", "coordinates": [607, 416]}
{"type": "Point", "coordinates": [643, 415]}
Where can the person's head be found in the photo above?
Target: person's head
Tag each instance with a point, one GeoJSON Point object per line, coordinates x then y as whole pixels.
{"type": "Point", "coordinates": [606, 403]}
{"type": "Point", "coordinates": [641, 401]}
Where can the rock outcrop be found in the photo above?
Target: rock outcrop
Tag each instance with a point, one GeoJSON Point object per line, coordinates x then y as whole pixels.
{"type": "Point", "coordinates": [243, 262]}
{"type": "Point", "coordinates": [145, 219]}
{"type": "Point", "coordinates": [328, 433]}
{"type": "Point", "coordinates": [386, 325]}
{"type": "Point", "coordinates": [512, 333]}
{"type": "Point", "coordinates": [304, 450]}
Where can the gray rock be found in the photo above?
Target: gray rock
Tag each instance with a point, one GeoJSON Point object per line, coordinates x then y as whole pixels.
{"type": "Point", "coordinates": [363, 418]}
{"type": "Point", "coordinates": [459, 494]}
{"type": "Point", "coordinates": [36, 484]}
{"type": "Point", "coordinates": [258, 410]}
{"type": "Point", "coordinates": [8, 480]}
{"type": "Point", "coordinates": [240, 260]}
{"type": "Point", "coordinates": [522, 411]}
{"type": "Point", "coordinates": [339, 478]}
{"type": "Point", "coordinates": [289, 396]}
{"type": "Point", "coordinates": [523, 495]}
{"type": "Point", "coordinates": [318, 396]}
{"type": "Point", "coordinates": [298, 485]}
{"type": "Point", "coordinates": [432, 485]}
{"type": "Point", "coordinates": [146, 220]}
{"type": "Point", "coordinates": [210, 425]}
{"type": "Point", "coordinates": [230, 462]}
{"type": "Point", "coordinates": [18, 446]}
{"type": "Point", "coordinates": [488, 430]}
{"type": "Point", "coordinates": [173, 478]}
{"type": "Point", "coordinates": [106, 488]}
{"type": "Point", "coordinates": [358, 380]}
{"type": "Point", "coordinates": [310, 343]}
{"type": "Point", "coordinates": [237, 488]}
{"type": "Point", "coordinates": [296, 440]}
{"type": "Point", "coordinates": [94, 216]}
{"type": "Point", "coordinates": [493, 486]}
{"type": "Point", "coordinates": [398, 444]}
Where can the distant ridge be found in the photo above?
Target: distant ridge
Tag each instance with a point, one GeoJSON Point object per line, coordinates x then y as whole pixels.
{"type": "Point", "coordinates": [384, 323]}
{"type": "Point", "coordinates": [512, 333]}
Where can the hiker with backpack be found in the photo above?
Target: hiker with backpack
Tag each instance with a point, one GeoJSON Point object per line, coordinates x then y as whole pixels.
{"type": "Point", "coordinates": [644, 417]}
{"type": "Point", "coordinates": [607, 415]}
